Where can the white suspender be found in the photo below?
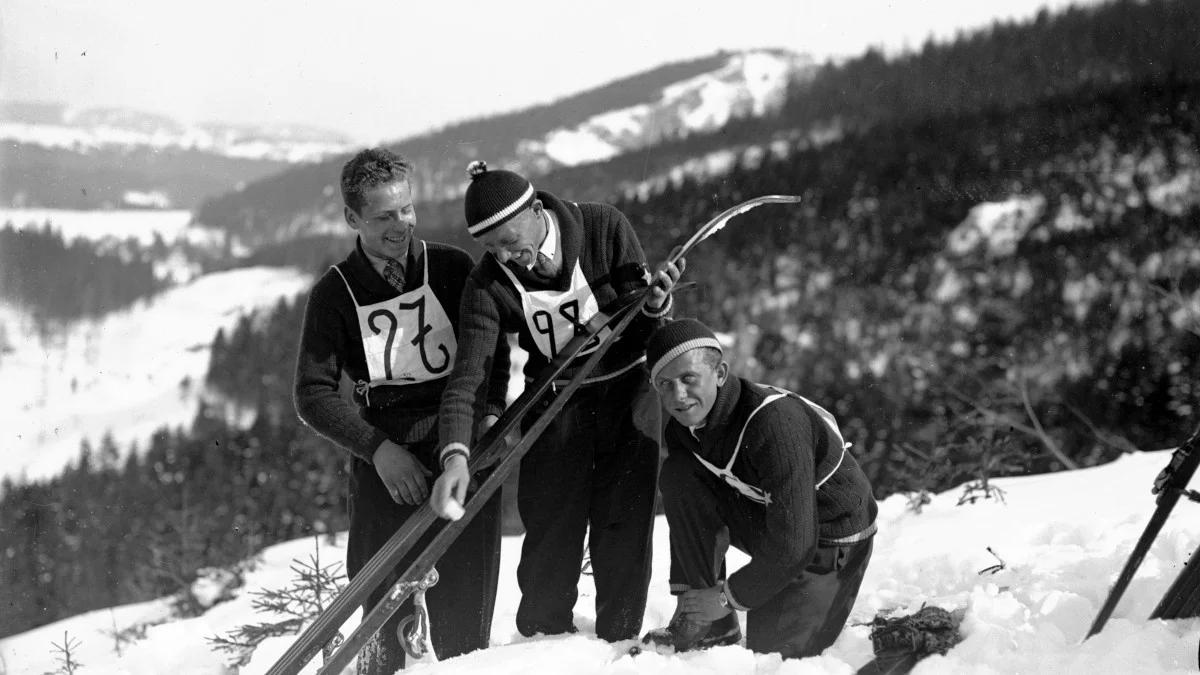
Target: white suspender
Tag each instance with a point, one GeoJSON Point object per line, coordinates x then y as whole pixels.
{"type": "Point", "coordinates": [744, 488]}
{"type": "Point", "coordinates": [347, 283]}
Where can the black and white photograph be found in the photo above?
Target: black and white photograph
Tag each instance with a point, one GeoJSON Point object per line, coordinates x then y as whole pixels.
{"type": "Point", "coordinates": [773, 337]}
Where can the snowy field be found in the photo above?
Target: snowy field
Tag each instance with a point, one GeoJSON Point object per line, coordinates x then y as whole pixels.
{"type": "Point", "coordinates": [1063, 537]}
{"type": "Point", "coordinates": [121, 373]}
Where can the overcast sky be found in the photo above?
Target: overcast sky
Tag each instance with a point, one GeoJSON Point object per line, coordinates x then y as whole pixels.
{"type": "Point", "coordinates": [385, 69]}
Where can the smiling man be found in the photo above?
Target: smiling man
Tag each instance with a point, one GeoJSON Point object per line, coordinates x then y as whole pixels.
{"type": "Point", "coordinates": [387, 317]}
{"type": "Point", "coordinates": [551, 264]}
{"type": "Point", "coordinates": [767, 471]}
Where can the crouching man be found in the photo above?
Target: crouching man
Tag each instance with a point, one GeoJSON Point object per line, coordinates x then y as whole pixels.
{"type": "Point", "coordinates": [767, 471]}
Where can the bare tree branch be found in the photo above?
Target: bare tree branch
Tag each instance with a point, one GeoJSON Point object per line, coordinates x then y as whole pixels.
{"type": "Point", "coordinates": [1048, 442]}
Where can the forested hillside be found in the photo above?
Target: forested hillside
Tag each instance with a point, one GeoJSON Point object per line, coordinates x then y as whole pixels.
{"type": "Point", "coordinates": [1004, 287]}
{"type": "Point", "coordinates": [1025, 280]}
{"type": "Point", "coordinates": [56, 280]}
{"type": "Point", "coordinates": [114, 177]}
{"type": "Point", "coordinates": [1006, 65]}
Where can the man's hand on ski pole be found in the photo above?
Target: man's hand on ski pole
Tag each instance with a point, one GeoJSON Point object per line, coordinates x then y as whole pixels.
{"type": "Point", "coordinates": [665, 276]}
{"type": "Point", "coordinates": [404, 476]}
{"type": "Point", "coordinates": [450, 488]}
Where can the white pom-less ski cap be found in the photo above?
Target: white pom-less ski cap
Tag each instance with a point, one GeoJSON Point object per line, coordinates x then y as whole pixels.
{"type": "Point", "coordinates": [493, 197]}
{"type": "Point", "coordinates": [675, 338]}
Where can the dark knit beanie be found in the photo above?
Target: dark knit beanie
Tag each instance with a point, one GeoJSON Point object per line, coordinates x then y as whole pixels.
{"type": "Point", "coordinates": [494, 197]}
{"type": "Point", "coordinates": [675, 338]}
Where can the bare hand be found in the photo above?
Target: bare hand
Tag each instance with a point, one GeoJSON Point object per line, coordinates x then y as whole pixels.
{"type": "Point", "coordinates": [404, 476]}
{"type": "Point", "coordinates": [450, 486]}
{"type": "Point", "coordinates": [703, 604]}
{"type": "Point", "coordinates": [665, 276]}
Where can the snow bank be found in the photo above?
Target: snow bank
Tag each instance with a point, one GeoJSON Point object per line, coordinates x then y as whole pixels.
{"type": "Point", "coordinates": [1063, 539]}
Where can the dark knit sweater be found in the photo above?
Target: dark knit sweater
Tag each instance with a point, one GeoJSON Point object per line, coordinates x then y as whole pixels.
{"type": "Point", "coordinates": [784, 444]}
{"type": "Point", "coordinates": [330, 345]}
{"type": "Point", "coordinates": [601, 239]}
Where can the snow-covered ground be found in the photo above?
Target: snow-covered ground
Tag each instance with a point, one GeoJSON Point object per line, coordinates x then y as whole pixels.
{"type": "Point", "coordinates": [122, 373]}
{"type": "Point", "coordinates": [1063, 538]}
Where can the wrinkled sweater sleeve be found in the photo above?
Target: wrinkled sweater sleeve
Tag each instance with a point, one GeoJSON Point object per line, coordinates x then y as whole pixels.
{"type": "Point", "coordinates": [478, 342]}
{"type": "Point", "coordinates": [497, 397]}
{"type": "Point", "coordinates": [774, 446]}
{"type": "Point", "coordinates": [628, 267]}
{"type": "Point", "coordinates": [318, 373]}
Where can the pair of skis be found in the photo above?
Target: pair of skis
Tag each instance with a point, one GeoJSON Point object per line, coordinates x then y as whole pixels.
{"type": "Point", "coordinates": [495, 454]}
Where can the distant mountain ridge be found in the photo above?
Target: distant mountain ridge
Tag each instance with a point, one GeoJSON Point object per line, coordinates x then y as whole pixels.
{"type": "Point", "coordinates": [670, 102]}
{"type": "Point", "coordinates": [115, 158]}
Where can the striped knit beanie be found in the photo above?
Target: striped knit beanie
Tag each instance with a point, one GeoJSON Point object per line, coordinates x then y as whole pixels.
{"type": "Point", "coordinates": [494, 197]}
{"type": "Point", "coordinates": [675, 338]}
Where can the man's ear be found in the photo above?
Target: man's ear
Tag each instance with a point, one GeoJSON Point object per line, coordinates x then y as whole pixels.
{"type": "Point", "coordinates": [350, 216]}
{"type": "Point", "coordinates": [722, 373]}
{"type": "Point", "coordinates": [537, 206]}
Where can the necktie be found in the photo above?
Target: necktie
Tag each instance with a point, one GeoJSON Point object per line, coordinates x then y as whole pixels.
{"type": "Point", "coordinates": [394, 274]}
{"type": "Point", "coordinates": [544, 267]}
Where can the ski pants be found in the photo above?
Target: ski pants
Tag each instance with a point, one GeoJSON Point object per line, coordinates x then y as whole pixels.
{"type": "Point", "coordinates": [594, 466]}
{"type": "Point", "coordinates": [705, 517]}
{"type": "Point", "coordinates": [462, 602]}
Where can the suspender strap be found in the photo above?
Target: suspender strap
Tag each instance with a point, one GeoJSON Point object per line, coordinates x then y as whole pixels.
{"type": "Point", "coordinates": [349, 290]}
{"type": "Point", "coordinates": [737, 448]}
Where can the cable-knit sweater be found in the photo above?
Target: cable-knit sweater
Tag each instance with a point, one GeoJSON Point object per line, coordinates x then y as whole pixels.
{"type": "Point", "coordinates": [330, 345]}
{"type": "Point", "coordinates": [783, 445]}
{"type": "Point", "coordinates": [610, 256]}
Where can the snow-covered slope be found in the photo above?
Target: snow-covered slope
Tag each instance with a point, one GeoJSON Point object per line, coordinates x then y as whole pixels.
{"type": "Point", "coordinates": [749, 84]}
{"type": "Point", "coordinates": [1063, 538]}
{"type": "Point", "coordinates": [122, 374]}
{"type": "Point", "coordinates": [84, 130]}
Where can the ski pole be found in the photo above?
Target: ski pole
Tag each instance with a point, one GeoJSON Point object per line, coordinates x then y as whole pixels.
{"type": "Point", "coordinates": [1170, 484]}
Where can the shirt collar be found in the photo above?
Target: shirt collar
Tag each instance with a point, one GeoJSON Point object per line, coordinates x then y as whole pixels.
{"type": "Point", "coordinates": [378, 262]}
{"type": "Point", "coordinates": [549, 245]}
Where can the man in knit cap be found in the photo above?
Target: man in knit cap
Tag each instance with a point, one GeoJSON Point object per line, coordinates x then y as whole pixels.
{"type": "Point", "coordinates": [767, 471]}
{"type": "Point", "coordinates": [387, 317]}
{"type": "Point", "coordinates": [552, 264]}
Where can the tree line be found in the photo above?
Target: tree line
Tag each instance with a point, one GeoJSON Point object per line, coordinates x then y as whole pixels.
{"type": "Point", "coordinates": [58, 280]}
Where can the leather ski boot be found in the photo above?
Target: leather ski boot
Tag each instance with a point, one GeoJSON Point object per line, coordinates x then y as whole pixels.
{"type": "Point", "coordinates": [684, 634]}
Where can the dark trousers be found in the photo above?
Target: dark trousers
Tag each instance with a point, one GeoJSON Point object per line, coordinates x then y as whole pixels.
{"type": "Point", "coordinates": [460, 605]}
{"type": "Point", "coordinates": [705, 517]}
{"type": "Point", "coordinates": [595, 465]}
